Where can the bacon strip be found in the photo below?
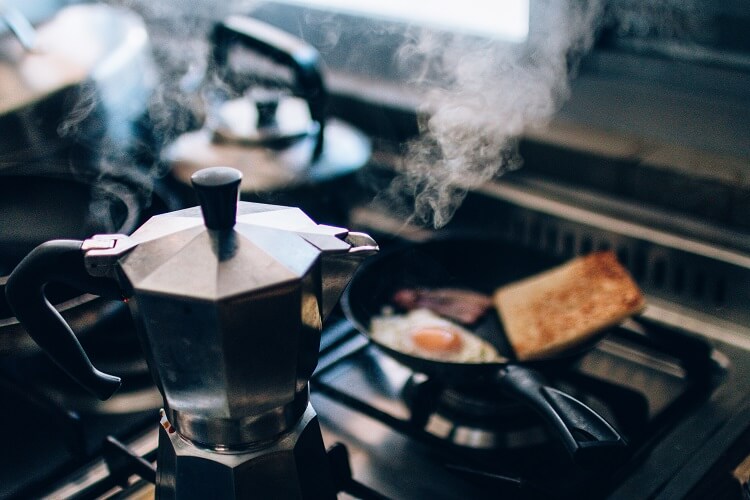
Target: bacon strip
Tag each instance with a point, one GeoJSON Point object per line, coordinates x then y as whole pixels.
{"type": "Point", "coordinates": [464, 306]}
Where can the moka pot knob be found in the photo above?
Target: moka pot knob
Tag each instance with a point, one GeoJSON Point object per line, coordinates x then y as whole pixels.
{"type": "Point", "coordinates": [218, 190]}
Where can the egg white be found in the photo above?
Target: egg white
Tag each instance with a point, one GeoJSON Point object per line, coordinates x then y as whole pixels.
{"type": "Point", "coordinates": [395, 331]}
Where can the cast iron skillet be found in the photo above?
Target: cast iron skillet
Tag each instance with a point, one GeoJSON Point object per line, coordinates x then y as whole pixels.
{"type": "Point", "coordinates": [481, 265]}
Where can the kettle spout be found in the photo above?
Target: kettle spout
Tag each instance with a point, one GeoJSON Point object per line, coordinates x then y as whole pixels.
{"type": "Point", "coordinates": [338, 268]}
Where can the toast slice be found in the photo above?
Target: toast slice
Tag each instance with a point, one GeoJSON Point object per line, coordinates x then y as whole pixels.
{"type": "Point", "coordinates": [548, 313]}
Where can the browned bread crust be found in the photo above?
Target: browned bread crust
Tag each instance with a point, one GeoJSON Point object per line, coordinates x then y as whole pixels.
{"type": "Point", "coordinates": [553, 311]}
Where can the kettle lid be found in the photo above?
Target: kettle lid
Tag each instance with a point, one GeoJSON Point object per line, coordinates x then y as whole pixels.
{"type": "Point", "coordinates": [345, 151]}
{"type": "Point", "coordinates": [263, 117]}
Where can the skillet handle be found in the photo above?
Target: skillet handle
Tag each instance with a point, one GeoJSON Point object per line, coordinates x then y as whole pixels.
{"type": "Point", "coordinates": [587, 437]}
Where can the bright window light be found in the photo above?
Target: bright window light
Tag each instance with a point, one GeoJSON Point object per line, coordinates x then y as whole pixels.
{"type": "Point", "coordinates": [502, 19]}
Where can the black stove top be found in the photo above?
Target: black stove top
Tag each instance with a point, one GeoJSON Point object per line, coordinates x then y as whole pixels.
{"type": "Point", "coordinates": [676, 397]}
{"type": "Point", "coordinates": [642, 378]}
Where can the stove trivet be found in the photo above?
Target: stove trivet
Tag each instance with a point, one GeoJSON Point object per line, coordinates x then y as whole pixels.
{"type": "Point", "coordinates": [123, 473]}
{"type": "Point", "coordinates": [476, 416]}
{"type": "Point", "coordinates": [642, 377]}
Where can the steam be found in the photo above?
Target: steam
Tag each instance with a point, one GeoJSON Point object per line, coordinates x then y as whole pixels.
{"type": "Point", "coordinates": [127, 162]}
{"type": "Point", "coordinates": [683, 20]}
{"type": "Point", "coordinates": [480, 97]}
{"type": "Point", "coordinates": [179, 34]}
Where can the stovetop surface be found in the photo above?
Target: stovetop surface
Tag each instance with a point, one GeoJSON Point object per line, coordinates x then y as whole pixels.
{"type": "Point", "coordinates": [670, 394]}
{"type": "Point", "coordinates": [631, 378]}
{"type": "Point", "coordinates": [678, 398]}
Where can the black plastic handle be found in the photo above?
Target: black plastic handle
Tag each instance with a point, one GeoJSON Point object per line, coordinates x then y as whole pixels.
{"type": "Point", "coordinates": [282, 48]}
{"type": "Point", "coordinates": [587, 437]}
{"type": "Point", "coordinates": [61, 261]}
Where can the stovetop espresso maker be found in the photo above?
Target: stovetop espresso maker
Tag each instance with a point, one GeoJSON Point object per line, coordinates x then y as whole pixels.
{"type": "Point", "coordinates": [229, 300]}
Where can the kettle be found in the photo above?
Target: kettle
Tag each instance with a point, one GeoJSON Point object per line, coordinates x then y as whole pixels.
{"type": "Point", "coordinates": [229, 300]}
{"type": "Point", "coordinates": [278, 131]}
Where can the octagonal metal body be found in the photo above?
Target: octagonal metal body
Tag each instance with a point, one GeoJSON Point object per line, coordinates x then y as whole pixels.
{"type": "Point", "coordinates": [230, 319]}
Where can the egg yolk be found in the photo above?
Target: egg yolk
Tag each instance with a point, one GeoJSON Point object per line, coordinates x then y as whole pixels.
{"type": "Point", "coordinates": [437, 339]}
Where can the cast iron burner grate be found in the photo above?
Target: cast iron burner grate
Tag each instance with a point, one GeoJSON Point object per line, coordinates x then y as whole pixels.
{"type": "Point", "coordinates": [643, 378]}
{"type": "Point", "coordinates": [471, 416]}
{"type": "Point", "coordinates": [123, 465]}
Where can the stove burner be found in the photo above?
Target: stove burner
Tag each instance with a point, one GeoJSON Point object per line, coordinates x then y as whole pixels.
{"type": "Point", "coordinates": [476, 416]}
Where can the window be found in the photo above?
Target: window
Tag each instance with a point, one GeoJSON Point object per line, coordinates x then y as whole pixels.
{"type": "Point", "coordinates": [505, 20]}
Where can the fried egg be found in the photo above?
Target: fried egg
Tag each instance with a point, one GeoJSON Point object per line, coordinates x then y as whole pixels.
{"type": "Point", "coordinates": [424, 334]}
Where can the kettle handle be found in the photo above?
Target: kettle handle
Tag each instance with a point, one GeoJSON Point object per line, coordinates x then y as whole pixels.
{"type": "Point", "coordinates": [284, 49]}
{"type": "Point", "coordinates": [60, 261]}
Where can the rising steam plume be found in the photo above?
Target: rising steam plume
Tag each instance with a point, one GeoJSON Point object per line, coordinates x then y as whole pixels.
{"type": "Point", "coordinates": [480, 97]}
{"type": "Point", "coordinates": [480, 94]}
{"type": "Point", "coordinates": [179, 33]}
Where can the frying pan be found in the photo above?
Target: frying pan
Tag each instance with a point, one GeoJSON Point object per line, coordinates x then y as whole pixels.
{"type": "Point", "coordinates": [482, 265]}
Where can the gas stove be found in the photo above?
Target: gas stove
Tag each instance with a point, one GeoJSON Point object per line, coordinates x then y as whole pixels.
{"type": "Point", "coordinates": [613, 171]}
{"type": "Point", "coordinates": [488, 447]}
{"type": "Point", "coordinates": [671, 381]}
